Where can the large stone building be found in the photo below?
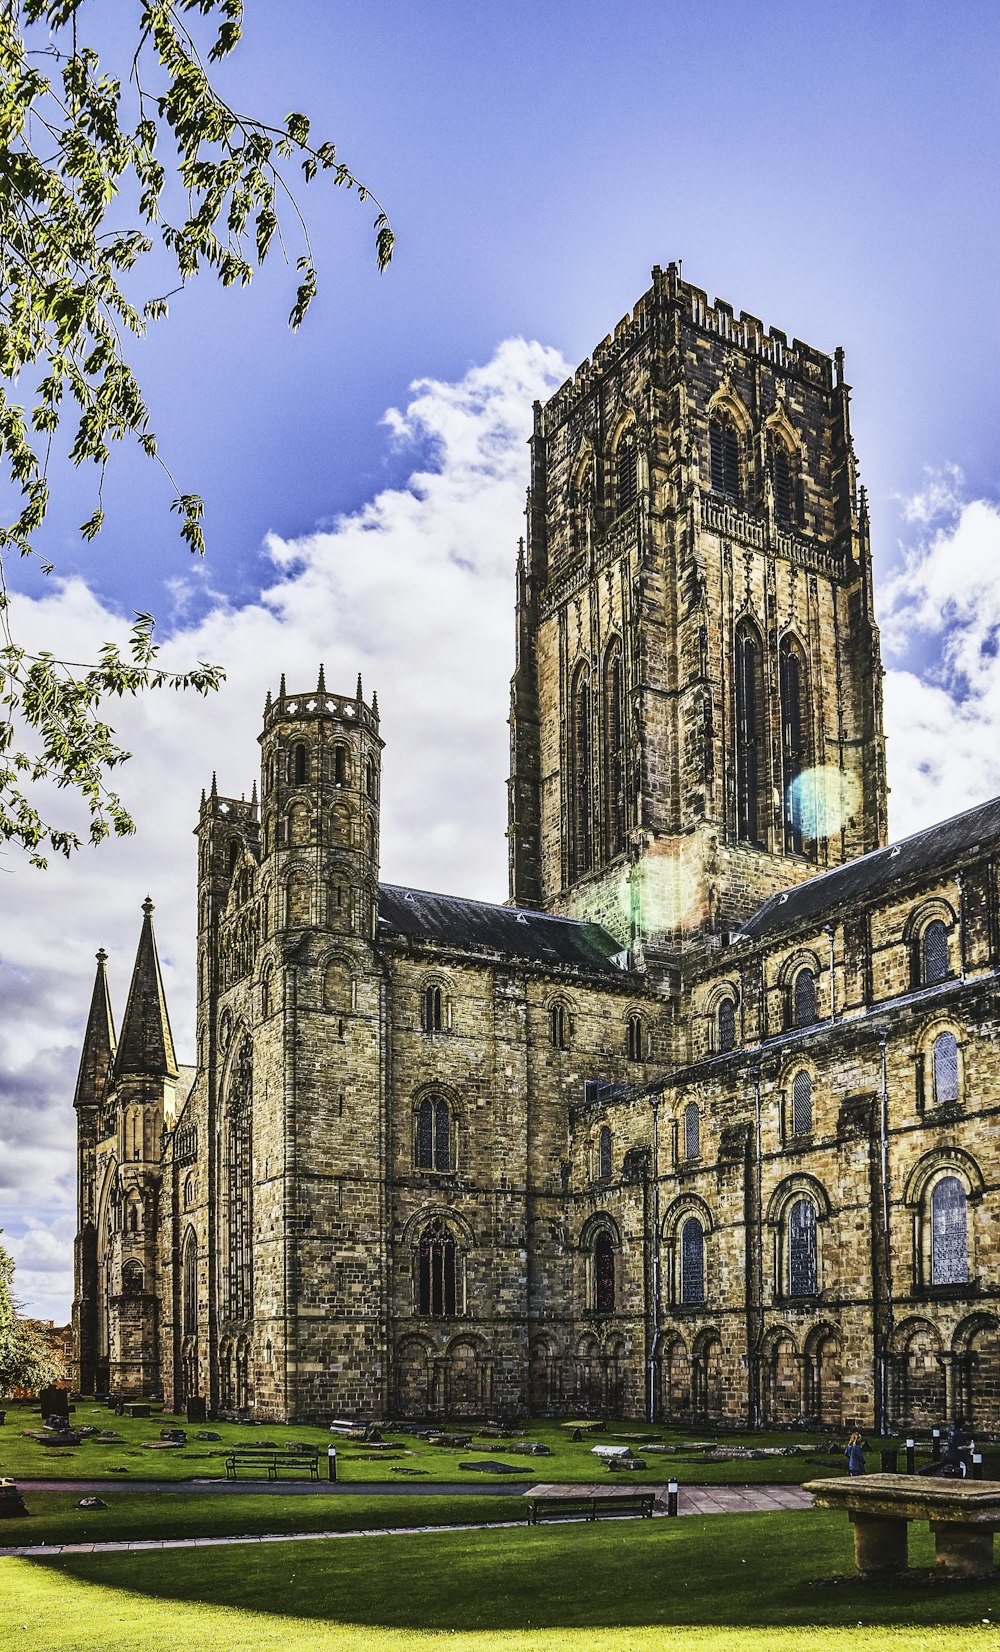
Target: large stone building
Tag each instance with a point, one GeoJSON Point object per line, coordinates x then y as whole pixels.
{"type": "Point", "coordinates": [703, 1124]}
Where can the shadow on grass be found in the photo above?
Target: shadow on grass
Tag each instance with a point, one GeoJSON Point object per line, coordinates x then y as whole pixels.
{"type": "Point", "coordinates": [727, 1571]}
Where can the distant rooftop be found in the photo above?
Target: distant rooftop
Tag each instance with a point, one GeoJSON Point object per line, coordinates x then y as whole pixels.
{"type": "Point", "coordinates": [482, 926]}
{"type": "Point", "coordinates": [937, 846]}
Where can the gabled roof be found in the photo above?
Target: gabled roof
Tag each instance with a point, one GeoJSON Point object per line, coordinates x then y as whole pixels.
{"type": "Point", "coordinates": [98, 1041]}
{"type": "Point", "coordinates": [481, 926]}
{"type": "Point", "coordinates": [146, 1046]}
{"type": "Point", "coordinates": [936, 847]}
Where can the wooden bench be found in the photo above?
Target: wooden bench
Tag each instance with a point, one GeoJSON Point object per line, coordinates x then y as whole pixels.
{"type": "Point", "coordinates": [590, 1508]}
{"type": "Point", "coordinates": [272, 1461]}
{"type": "Point", "coordinates": [962, 1514]}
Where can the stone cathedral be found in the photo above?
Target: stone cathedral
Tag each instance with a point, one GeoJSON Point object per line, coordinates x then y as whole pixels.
{"type": "Point", "coordinates": [703, 1124]}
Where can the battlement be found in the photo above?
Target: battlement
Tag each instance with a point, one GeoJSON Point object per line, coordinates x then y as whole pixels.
{"type": "Point", "coordinates": [319, 702]}
{"type": "Point", "coordinates": [744, 332]}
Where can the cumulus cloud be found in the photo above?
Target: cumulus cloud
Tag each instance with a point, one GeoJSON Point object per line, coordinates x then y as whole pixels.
{"type": "Point", "coordinates": [415, 590]}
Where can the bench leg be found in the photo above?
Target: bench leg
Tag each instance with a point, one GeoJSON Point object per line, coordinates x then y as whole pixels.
{"type": "Point", "coordinates": [963, 1551]}
{"type": "Point", "coordinates": [879, 1544]}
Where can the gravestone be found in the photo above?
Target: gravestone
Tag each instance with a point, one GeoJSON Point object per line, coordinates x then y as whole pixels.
{"type": "Point", "coordinates": [54, 1402]}
{"type": "Point", "coordinates": [197, 1409]}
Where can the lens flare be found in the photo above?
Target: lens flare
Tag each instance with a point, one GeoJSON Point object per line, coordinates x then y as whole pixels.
{"type": "Point", "coordinates": [822, 799]}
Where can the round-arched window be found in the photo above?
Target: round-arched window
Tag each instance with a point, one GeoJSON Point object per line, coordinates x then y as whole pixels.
{"type": "Point", "coordinates": [802, 1106]}
{"type": "Point", "coordinates": [604, 1274]}
{"type": "Point", "coordinates": [726, 1025]}
{"type": "Point", "coordinates": [945, 1058]}
{"type": "Point", "coordinates": [802, 1248]}
{"type": "Point", "coordinates": [949, 1233]}
{"type": "Point", "coordinates": [692, 1261]}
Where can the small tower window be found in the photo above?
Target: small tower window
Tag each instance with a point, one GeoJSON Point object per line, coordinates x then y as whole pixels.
{"type": "Point", "coordinates": [794, 743]}
{"type": "Point", "coordinates": [604, 1274]}
{"type": "Point", "coordinates": [724, 444]}
{"type": "Point", "coordinates": [300, 765]}
{"type": "Point", "coordinates": [934, 953]}
{"type": "Point", "coordinates": [946, 1067]}
{"type": "Point", "coordinates": [750, 746]}
{"type": "Point", "coordinates": [692, 1131]}
{"type": "Point", "coordinates": [726, 1026]}
{"type": "Point", "coordinates": [635, 1038]}
{"type": "Point", "coordinates": [371, 778]}
{"type": "Point", "coordinates": [783, 485]}
{"type": "Point", "coordinates": [802, 1104]}
{"type": "Point", "coordinates": [339, 765]}
{"type": "Point", "coordinates": [234, 854]}
{"type": "Point", "coordinates": [604, 1155]}
{"type": "Point", "coordinates": [432, 1009]}
{"type": "Point", "coordinates": [628, 472]}
{"type": "Point", "coordinates": [692, 1261]}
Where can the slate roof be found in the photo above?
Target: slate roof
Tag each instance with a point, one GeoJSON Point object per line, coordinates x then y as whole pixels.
{"type": "Point", "coordinates": [872, 874]}
{"type": "Point", "coordinates": [482, 926]}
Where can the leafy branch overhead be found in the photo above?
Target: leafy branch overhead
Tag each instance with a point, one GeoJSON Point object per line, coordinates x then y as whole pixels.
{"type": "Point", "coordinates": [211, 186]}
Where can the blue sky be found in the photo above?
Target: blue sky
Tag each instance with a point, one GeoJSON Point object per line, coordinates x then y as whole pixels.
{"type": "Point", "coordinates": [833, 171]}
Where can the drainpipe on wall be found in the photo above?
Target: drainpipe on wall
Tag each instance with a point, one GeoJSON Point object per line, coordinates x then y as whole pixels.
{"type": "Point", "coordinates": [755, 1276]}
{"type": "Point", "coordinates": [655, 1257]}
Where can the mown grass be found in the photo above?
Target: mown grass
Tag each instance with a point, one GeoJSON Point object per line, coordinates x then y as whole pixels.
{"type": "Point", "coordinates": [725, 1582]}
{"type": "Point", "coordinates": [570, 1461]}
{"type": "Point", "coordinates": [54, 1516]}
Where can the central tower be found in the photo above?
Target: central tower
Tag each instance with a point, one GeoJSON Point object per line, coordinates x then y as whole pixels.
{"type": "Point", "coordinates": [696, 711]}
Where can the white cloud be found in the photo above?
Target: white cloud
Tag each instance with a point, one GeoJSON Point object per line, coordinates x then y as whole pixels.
{"type": "Point", "coordinates": [416, 591]}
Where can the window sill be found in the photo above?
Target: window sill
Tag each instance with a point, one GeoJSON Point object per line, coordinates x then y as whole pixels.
{"type": "Point", "coordinates": [947, 1293]}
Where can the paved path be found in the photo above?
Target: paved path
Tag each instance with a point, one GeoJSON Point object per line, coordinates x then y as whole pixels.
{"type": "Point", "coordinates": [691, 1500]}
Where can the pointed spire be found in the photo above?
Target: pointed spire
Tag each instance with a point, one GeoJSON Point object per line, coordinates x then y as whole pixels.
{"type": "Point", "coordinates": [282, 691]}
{"type": "Point", "coordinates": [203, 797]}
{"type": "Point", "coordinates": [321, 681]}
{"type": "Point", "coordinates": [98, 1042]}
{"type": "Point", "coordinates": [146, 1046]}
{"type": "Point", "coordinates": [375, 707]}
{"type": "Point", "coordinates": [213, 794]}
{"type": "Point", "coordinates": [267, 703]}
{"type": "Point", "coordinates": [359, 695]}
{"type": "Point", "coordinates": [253, 797]}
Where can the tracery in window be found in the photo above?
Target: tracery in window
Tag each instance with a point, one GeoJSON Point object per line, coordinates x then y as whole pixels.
{"type": "Point", "coordinates": [692, 1261]}
{"type": "Point", "coordinates": [802, 1106]}
{"type": "Point", "coordinates": [749, 735]}
{"type": "Point", "coordinates": [581, 775]}
{"type": "Point", "coordinates": [794, 745]}
{"type": "Point", "coordinates": [949, 1233]}
{"type": "Point", "coordinates": [433, 1134]}
{"type": "Point", "coordinates": [934, 953]}
{"type": "Point", "coordinates": [636, 1043]}
{"type": "Point", "coordinates": [724, 445]}
{"type": "Point", "coordinates": [604, 1155]}
{"type": "Point", "coordinates": [945, 1061]}
{"type": "Point", "coordinates": [692, 1131]}
{"type": "Point", "coordinates": [614, 752]}
{"type": "Point", "coordinates": [726, 1025]}
{"type": "Point", "coordinates": [604, 1273]}
{"type": "Point", "coordinates": [802, 1249]}
{"type": "Point", "coordinates": [436, 1286]}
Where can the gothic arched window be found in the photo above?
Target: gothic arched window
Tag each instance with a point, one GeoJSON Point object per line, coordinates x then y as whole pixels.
{"type": "Point", "coordinates": [604, 1155]}
{"type": "Point", "coordinates": [803, 998]}
{"type": "Point", "coordinates": [802, 1104]}
{"type": "Point", "coordinates": [238, 1182]}
{"type": "Point", "coordinates": [692, 1261]}
{"type": "Point", "coordinates": [559, 1026]}
{"type": "Point", "coordinates": [724, 444]}
{"type": "Point", "coordinates": [794, 742]}
{"type": "Point", "coordinates": [189, 1285]}
{"type": "Point", "coordinates": [934, 953]}
{"type": "Point", "coordinates": [749, 736]}
{"type": "Point", "coordinates": [802, 1249]}
{"type": "Point", "coordinates": [945, 1057]}
{"type": "Point", "coordinates": [604, 1273]}
{"type": "Point", "coordinates": [782, 483]}
{"type": "Point", "coordinates": [726, 1025]}
{"type": "Point", "coordinates": [581, 776]}
{"type": "Point", "coordinates": [132, 1280]}
{"type": "Point", "coordinates": [437, 1271]}
{"type": "Point", "coordinates": [626, 472]}
{"type": "Point", "coordinates": [614, 751]}
{"type": "Point", "coordinates": [949, 1233]}
{"type": "Point", "coordinates": [433, 1134]}
{"type": "Point", "coordinates": [692, 1131]}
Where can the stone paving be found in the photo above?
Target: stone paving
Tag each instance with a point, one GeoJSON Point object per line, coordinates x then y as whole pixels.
{"type": "Point", "coordinates": [691, 1500]}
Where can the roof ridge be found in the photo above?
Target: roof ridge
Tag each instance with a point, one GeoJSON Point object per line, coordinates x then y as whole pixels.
{"type": "Point", "coordinates": [494, 906]}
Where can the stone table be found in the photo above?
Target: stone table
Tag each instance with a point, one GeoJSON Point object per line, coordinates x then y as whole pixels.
{"type": "Point", "coordinates": [962, 1514]}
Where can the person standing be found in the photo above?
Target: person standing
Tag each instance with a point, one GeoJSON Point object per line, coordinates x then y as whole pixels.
{"type": "Point", "coordinates": [854, 1451]}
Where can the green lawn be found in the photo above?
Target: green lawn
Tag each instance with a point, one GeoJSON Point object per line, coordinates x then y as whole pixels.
{"type": "Point", "coordinates": [727, 1581]}
{"type": "Point", "coordinates": [30, 1460]}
